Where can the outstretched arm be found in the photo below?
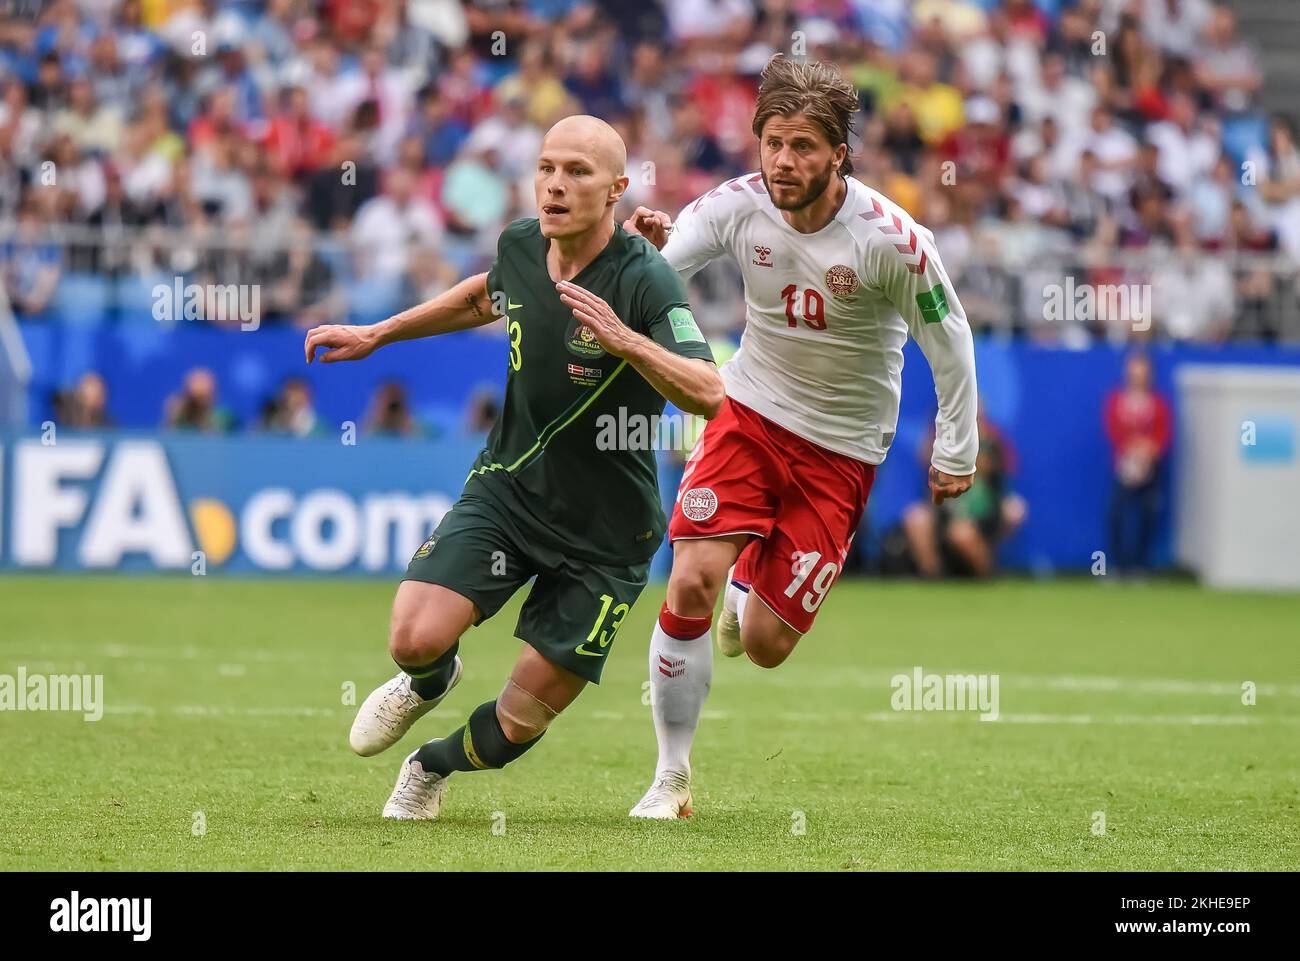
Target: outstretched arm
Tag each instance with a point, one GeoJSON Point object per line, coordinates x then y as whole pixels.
{"type": "Point", "coordinates": [464, 306]}
{"type": "Point", "coordinates": [689, 383]}
{"type": "Point", "coordinates": [919, 287]}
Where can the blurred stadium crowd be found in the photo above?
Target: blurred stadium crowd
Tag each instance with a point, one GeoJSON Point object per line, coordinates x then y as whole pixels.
{"type": "Point", "coordinates": [352, 156]}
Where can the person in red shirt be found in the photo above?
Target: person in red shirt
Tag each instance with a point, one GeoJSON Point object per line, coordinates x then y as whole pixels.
{"type": "Point", "coordinates": [981, 153]}
{"type": "Point", "coordinates": [297, 142]}
{"type": "Point", "coordinates": [1138, 424]}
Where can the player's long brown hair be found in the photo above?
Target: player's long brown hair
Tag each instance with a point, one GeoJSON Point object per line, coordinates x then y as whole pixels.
{"type": "Point", "coordinates": [814, 89]}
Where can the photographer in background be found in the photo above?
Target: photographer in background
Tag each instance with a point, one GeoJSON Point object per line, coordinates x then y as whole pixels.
{"type": "Point", "coordinates": [1138, 425]}
{"type": "Point", "coordinates": [194, 407]}
{"type": "Point", "coordinates": [961, 537]}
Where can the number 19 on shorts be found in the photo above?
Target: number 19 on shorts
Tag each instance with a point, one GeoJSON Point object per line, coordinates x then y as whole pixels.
{"type": "Point", "coordinates": [802, 568]}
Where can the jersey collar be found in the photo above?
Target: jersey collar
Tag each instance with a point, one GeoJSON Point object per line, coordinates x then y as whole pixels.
{"type": "Point", "coordinates": [841, 216]}
{"type": "Point", "coordinates": [616, 243]}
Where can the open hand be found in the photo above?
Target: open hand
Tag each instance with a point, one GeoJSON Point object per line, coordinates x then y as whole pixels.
{"type": "Point", "coordinates": [340, 342]}
{"type": "Point", "coordinates": [614, 335]}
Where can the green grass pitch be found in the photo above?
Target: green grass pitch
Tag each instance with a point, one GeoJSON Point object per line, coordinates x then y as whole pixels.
{"type": "Point", "coordinates": [225, 697]}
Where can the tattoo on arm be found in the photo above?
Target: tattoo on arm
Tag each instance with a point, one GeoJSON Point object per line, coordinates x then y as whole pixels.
{"type": "Point", "coordinates": [475, 309]}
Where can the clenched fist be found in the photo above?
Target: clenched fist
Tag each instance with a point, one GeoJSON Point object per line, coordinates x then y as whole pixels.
{"type": "Point", "coordinates": [944, 486]}
{"type": "Point", "coordinates": [653, 225]}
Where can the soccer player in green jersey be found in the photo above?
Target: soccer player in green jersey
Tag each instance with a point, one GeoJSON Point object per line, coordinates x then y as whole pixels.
{"type": "Point", "coordinates": [597, 321]}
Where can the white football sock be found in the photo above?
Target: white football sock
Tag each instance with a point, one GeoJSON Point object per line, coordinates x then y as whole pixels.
{"type": "Point", "coordinates": [680, 675]}
{"type": "Point", "coordinates": [739, 598]}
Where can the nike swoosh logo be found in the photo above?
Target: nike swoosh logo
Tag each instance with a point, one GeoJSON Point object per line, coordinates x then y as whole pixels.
{"type": "Point", "coordinates": [511, 306]}
{"type": "Point", "coordinates": [589, 653]}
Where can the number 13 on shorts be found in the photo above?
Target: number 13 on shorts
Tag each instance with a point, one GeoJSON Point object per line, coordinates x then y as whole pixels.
{"type": "Point", "coordinates": [802, 568]}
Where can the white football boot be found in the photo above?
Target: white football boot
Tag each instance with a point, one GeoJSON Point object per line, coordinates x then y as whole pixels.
{"type": "Point", "coordinates": [729, 622]}
{"type": "Point", "coordinates": [388, 713]}
{"type": "Point", "coordinates": [669, 797]}
{"type": "Point", "coordinates": [418, 794]}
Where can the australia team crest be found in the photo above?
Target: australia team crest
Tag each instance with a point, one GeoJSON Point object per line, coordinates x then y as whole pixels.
{"type": "Point", "coordinates": [583, 342]}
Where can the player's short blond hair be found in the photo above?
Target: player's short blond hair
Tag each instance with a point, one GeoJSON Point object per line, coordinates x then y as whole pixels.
{"type": "Point", "coordinates": [814, 89]}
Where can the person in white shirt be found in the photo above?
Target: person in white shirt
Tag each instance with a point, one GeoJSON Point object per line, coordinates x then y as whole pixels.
{"type": "Point", "coordinates": [389, 226]}
{"type": "Point", "coordinates": [1187, 152]}
{"type": "Point", "coordinates": [389, 89]}
{"type": "Point", "coordinates": [1175, 25]}
{"type": "Point", "coordinates": [1116, 152]}
{"type": "Point", "coordinates": [836, 278]}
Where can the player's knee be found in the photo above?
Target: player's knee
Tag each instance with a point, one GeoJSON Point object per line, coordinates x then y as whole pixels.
{"type": "Point", "coordinates": [417, 639]}
{"type": "Point", "coordinates": [693, 590]}
{"type": "Point", "coordinates": [522, 717]}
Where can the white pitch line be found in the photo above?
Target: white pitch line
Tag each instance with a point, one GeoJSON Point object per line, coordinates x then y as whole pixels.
{"type": "Point", "coordinates": [211, 710]}
{"type": "Point", "coordinates": [852, 678]}
{"type": "Point", "coordinates": [788, 717]}
{"type": "Point", "coordinates": [1188, 720]}
{"type": "Point", "coordinates": [794, 676]}
{"type": "Point", "coordinates": [121, 652]}
{"type": "Point", "coordinates": [1178, 720]}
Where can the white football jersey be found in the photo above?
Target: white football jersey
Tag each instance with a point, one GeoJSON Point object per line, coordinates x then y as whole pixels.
{"type": "Point", "coordinates": [827, 315]}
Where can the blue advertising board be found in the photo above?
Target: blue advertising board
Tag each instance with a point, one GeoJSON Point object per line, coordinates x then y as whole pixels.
{"type": "Point", "coordinates": [252, 503]}
{"type": "Point", "coordinates": [129, 501]}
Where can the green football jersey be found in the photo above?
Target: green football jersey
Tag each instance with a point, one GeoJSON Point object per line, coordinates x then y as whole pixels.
{"type": "Point", "coordinates": [549, 460]}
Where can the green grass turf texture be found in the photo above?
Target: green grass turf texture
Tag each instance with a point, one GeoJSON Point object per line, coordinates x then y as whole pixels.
{"type": "Point", "coordinates": [225, 697]}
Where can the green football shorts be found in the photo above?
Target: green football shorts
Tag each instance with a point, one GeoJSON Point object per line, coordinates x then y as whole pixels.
{"type": "Point", "coordinates": [574, 608]}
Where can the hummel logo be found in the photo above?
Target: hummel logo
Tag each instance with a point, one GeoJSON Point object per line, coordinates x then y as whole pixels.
{"type": "Point", "coordinates": [672, 668]}
{"type": "Point", "coordinates": [763, 254]}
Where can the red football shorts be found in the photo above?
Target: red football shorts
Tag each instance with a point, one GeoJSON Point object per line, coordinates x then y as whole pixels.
{"type": "Point", "coordinates": [802, 502]}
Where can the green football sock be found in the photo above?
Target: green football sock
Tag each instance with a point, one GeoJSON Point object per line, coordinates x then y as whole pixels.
{"type": "Point", "coordinates": [431, 680]}
{"type": "Point", "coordinates": [480, 744]}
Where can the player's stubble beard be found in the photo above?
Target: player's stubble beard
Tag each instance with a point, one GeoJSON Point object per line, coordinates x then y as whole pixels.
{"type": "Point", "coordinates": [816, 188]}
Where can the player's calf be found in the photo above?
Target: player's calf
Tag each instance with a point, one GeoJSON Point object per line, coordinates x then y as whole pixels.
{"type": "Point", "coordinates": [523, 717]}
{"type": "Point", "coordinates": [479, 745]}
{"type": "Point", "coordinates": [767, 639]}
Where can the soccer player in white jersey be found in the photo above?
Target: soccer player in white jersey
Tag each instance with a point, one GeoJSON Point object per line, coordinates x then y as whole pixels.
{"type": "Point", "coordinates": [836, 278]}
